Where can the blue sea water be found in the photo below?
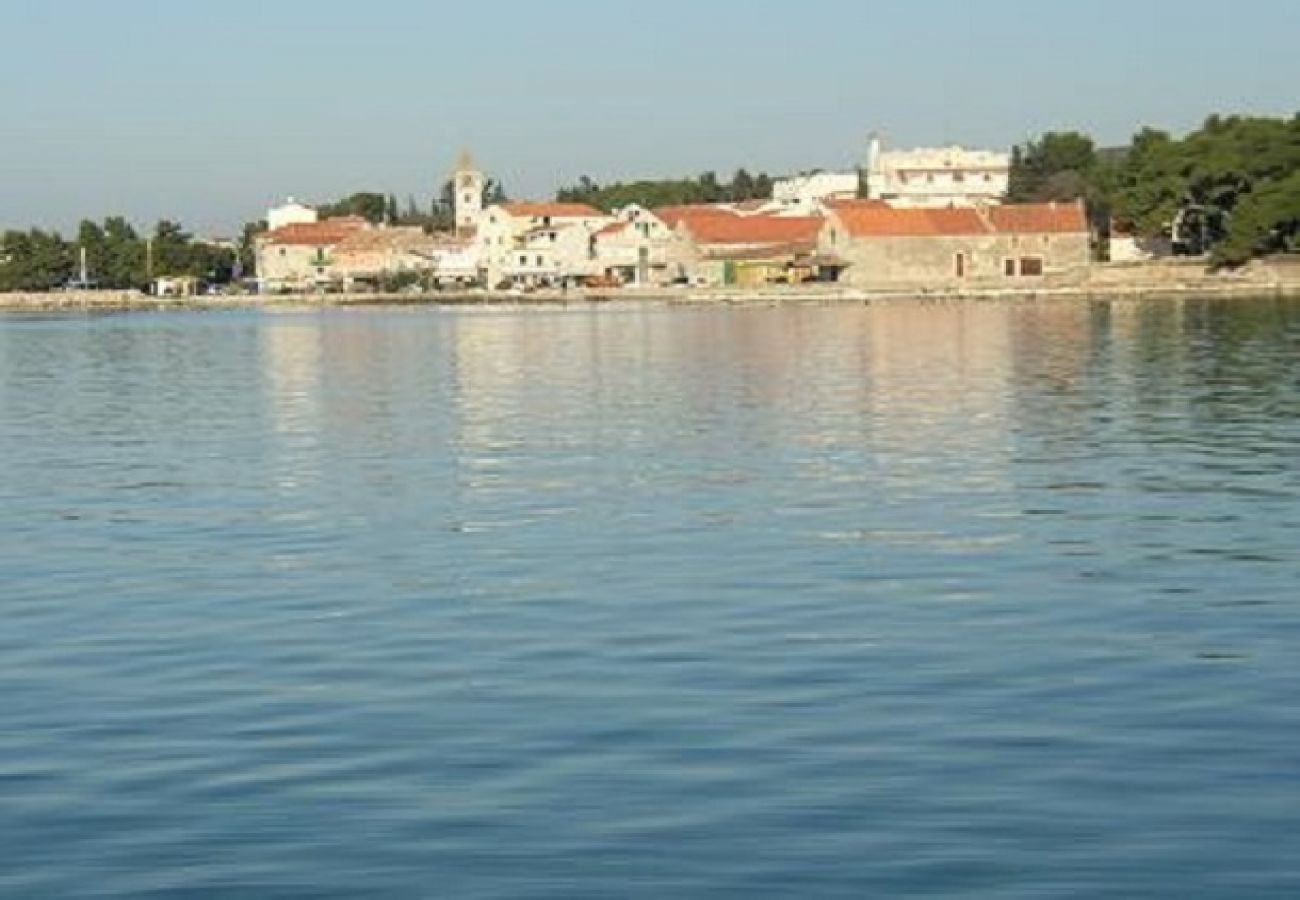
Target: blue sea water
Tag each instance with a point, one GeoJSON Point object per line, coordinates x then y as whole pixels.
{"type": "Point", "coordinates": [914, 599]}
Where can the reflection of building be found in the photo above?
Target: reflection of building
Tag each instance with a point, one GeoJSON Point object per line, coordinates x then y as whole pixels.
{"type": "Point", "coordinates": [937, 177]}
{"type": "Point", "coordinates": [291, 373]}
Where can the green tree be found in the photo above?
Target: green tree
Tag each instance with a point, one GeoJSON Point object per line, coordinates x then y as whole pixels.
{"type": "Point", "coordinates": [35, 260]}
{"type": "Point", "coordinates": [741, 187]}
{"type": "Point", "coordinates": [1226, 188]}
{"type": "Point", "coordinates": [368, 205]}
{"type": "Point", "coordinates": [494, 192]}
{"type": "Point", "coordinates": [1058, 166]}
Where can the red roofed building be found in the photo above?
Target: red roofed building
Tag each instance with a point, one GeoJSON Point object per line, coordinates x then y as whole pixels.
{"type": "Point", "coordinates": [299, 256]}
{"type": "Point", "coordinates": [875, 244]}
{"type": "Point", "coordinates": [717, 246]}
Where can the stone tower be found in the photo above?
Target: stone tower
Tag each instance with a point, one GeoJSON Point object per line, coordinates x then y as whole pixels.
{"type": "Point", "coordinates": [470, 184]}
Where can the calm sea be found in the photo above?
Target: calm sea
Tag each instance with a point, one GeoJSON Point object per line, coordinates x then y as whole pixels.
{"type": "Point", "coordinates": [934, 600]}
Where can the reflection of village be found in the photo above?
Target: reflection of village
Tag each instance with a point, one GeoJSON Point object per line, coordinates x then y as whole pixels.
{"type": "Point", "coordinates": [908, 393]}
{"type": "Point", "coordinates": [909, 218]}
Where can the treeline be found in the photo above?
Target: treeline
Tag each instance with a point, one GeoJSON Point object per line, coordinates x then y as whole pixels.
{"type": "Point", "coordinates": [1230, 189]}
{"type": "Point", "coordinates": [439, 214]}
{"type": "Point", "coordinates": [117, 257]}
{"type": "Point", "coordinates": [707, 188]}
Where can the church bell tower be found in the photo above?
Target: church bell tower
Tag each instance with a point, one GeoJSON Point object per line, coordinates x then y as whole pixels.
{"type": "Point", "coordinates": [470, 184]}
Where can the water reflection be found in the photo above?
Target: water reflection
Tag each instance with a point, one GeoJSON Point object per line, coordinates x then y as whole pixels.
{"type": "Point", "coordinates": [898, 599]}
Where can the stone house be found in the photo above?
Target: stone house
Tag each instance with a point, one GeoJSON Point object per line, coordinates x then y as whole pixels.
{"type": "Point", "coordinates": [300, 256]}
{"type": "Point", "coordinates": [370, 255]}
{"type": "Point", "coordinates": [872, 244]}
{"type": "Point", "coordinates": [718, 247]}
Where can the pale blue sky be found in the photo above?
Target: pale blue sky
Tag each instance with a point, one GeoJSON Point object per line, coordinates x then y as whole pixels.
{"type": "Point", "coordinates": [209, 111]}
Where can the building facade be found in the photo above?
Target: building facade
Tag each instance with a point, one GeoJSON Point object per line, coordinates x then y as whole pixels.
{"type": "Point", "coordinates": [937, 177]}
{"type": "Point", "coordinates": [300, 256]}
{"type": "Point", "coordinates": [534, 244]}
{"type": "Point", "coordinates": [470, 185]}
{"type": "Point", "coordinates": [717, 247]}
{"type": "Point", "coordinates": [806, 194]}
{"type": "Point", "coordinates": [872, 244]}
{"type": "Point", "coordinates": [290, 213]}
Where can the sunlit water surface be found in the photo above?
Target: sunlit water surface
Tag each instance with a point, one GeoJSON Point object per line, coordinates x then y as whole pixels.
{"type": "Point", "coordinates": [978, 600]}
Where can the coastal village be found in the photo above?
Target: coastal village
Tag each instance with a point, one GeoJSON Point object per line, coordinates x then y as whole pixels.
{"type": "Point", "coordinates": [906, 219]}
{"type": "Point", "coordinates": [1214, 211]}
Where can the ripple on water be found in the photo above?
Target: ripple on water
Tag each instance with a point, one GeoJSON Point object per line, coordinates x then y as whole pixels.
{"type": "Point", "coordinates": [897, 600]}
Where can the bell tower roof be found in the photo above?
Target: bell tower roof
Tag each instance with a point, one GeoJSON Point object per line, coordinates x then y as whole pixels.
{"type": "Point", "coordinates": [465, 162]}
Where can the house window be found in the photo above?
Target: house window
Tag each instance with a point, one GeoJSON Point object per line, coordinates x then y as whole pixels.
{"type": "Point", "coordinates": [539, 262]}
{"type": "Point", "coordinates": [1031, 266]}
{"type": "Point", "coordinates": [959, 177]}
{"type": "Point", "coordinates": [1009, 268]}
{"type": "Point", "coordinates": [523, 260]}
{"type": "Point", "coordinates": [961, 265]}
{"type": "Point", "coordinates": [284, 252]}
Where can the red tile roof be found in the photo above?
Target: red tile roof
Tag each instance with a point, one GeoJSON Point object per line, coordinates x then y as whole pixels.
{"type": "Point", "coordinates": [552, 210]}
{"type": "Point", "coordinates": [754, 229]}
{"type": "Point", "coordinates": [612, 229]}
{"type": "Point", "coordinates": [1040, 218]}
{"type": "Point", "coordinates": [672, 216]}
{"type": "Point", "coordinates": [876, 219]}
{"type": "Point", "coordinates": [316, 234]}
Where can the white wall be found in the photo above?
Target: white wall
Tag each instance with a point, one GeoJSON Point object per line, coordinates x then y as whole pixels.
{"type": "Point", "coordinates": [949, 176]}
{"type": "Point", "coordinates": [291, 213]}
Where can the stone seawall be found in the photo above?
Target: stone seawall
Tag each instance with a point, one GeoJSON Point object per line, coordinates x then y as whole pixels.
{"type": "Point", "coordinates": [1278, 277]}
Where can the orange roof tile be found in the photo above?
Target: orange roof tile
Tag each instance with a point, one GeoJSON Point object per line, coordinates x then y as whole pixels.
{"type": "Point", "coordinates": [316, 234]}
{"type": "Point", "coordinates": [552, 210]}
{"type": "Point", "coordinates": [1040, 218]}
{"type": "Point", "coordinates": [672, 216]}
{"type": "Point", "coordinates": [754, 229]}
{"type": "Point", "coordinates": [875, 219]}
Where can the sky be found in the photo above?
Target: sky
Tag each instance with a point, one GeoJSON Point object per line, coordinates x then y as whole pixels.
{"type": "Point", "coordinates": [210, 112]}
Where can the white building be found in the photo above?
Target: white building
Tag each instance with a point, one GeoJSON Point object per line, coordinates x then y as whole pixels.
{"type": "Point", "coordinates": [634, 249]}
{"type": "Point", "coordinates": [937, 177]}
{"type": "Point", "coordinates": [806, 194]}
{"type": "Point", "coordinates": [290, 213]}
{"type": "Point", "coordinates": [539, 243]}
